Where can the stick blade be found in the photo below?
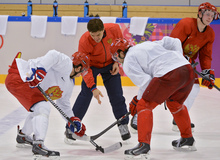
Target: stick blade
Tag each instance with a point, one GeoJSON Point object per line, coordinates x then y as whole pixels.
{"type": "Point", "coordinates": [113, 147]}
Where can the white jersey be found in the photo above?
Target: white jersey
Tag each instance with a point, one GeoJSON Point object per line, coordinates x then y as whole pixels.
{"type": "Point", "coordinates": [57, 82]}
{"type": "Point", "coordinates": [149, 59]}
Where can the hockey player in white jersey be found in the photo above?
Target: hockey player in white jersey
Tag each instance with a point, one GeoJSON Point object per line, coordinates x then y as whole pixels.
{"type": "Point", "coordinates": [54, 72]}
{"type": "Point", "coordinates": [162, 74]}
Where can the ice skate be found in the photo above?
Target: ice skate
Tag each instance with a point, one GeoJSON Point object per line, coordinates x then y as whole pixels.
{"type": "Point", "coordinates": [23, 140]}
{"type": "Point", "coordinates": [140, 152]}
{"type": "Point", "coordinates": [176, 129]}
{"type": "Point", "coordinates": [68, 137]}
{"type": "Point", "coordinates": [125, 134]}
{"type": "Point", "coordinates": [40, 150]}
{"type": "Point", "coordinates": [184, 144]}
{"type": "Point", "coordinates": [134, 124]}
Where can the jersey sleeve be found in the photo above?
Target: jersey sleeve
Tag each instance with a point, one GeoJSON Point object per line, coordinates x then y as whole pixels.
{"type": "Point", "coordinates": [53, 59]}
{"type": "Point", "coordinates": [181, 30]}
{"type": "Point", "coordinates": [205, 54]}
{"type": "Point", "coordinates": [86, 47]}
{"type": "Point", "coordinates": [64, 102]}
{"type": "Point", "coordinates": [118, 31]}
{"type": "Point", "coordinates": [173, 44]}
{"type": "Point", "coordinates": [134, 71]}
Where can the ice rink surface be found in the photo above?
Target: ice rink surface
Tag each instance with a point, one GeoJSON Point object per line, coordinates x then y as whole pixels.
{"type": "Point", "coordinates": [205, 114]}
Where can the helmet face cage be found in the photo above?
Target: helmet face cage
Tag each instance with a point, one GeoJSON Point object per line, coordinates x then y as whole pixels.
{"type": "Point", "coordinates": [114, 56]}
{"type": "Point", "coordinates": [119, 45]}
{"type": "Point", "coordinates": [80, 59]}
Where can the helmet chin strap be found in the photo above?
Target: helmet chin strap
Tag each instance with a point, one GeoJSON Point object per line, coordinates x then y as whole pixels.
{"type": "Point", "coordinates": [125, 51]}
{"type": "Point", "coordinates": [74, 75]}
{"type": "Point", "coordinates": [75, 71]}
{"type": "Point", "coordinates": [201, 19]}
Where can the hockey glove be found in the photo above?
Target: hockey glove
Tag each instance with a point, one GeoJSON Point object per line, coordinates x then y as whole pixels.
{"type": "Point", "coordinates": [37, 76]}
{"type": "Point", "coordinates": [208, 78]}
{"type": "Point", "coordinates": [133, 105]}
{"type": "Point", "coordinates": [80, 127]}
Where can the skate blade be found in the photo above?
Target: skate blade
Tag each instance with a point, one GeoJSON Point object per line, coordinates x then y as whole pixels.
{"type": "Point", "coordinates": [176, 129]}
{"type": "Point", "coordinates": [23, 145]}
{"type": "Point", "coordinates": [38, 157]}
{"type": "Point", "coordinates": [186, 148]}
{"type": "Point", "coordinates": [126, 142]}
{"type": "Point", "coordinates": [134, 131]}
{"type": "Point", "coordinates": [138, 157]}
{"type": "Point", "coordinates": [69, 141]}
{"type": "Point", "coordinates": [54, 157]}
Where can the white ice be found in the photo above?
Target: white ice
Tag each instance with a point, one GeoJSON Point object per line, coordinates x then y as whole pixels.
{"type": "Point", "coordinates": [205, 114]}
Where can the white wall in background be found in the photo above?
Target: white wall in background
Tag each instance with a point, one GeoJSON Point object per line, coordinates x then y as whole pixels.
{"type": "Point", "coordinates": [18, 38]}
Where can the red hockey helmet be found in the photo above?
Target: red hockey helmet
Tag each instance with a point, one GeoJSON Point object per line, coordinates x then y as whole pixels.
{"type": "Point", "coordinates": [120, 44]}
{"type": "Point", "coordinates": [208, 6]}
{"type": "Point", "coordinates": [80, 59]}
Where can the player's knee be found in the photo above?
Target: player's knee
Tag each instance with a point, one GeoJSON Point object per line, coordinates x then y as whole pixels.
{"type": "Point", "coordinates": [41, 108]}
{"type": "Point", "coordinates": [174, 106]}
{"type": "Point", "coordinates": [142, 105]}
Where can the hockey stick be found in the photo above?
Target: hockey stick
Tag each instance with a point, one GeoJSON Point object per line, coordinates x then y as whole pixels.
{"type": "Point", "coordinates": [55, 105]}
{"type": "Point", "coordinates": [94, 137]}
{"type": "Point", "coordinates": [98, 148]}
{"type": "Point", "coordinates": [193, 65]}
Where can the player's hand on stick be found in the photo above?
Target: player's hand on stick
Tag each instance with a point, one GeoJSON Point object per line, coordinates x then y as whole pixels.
{"type": "Point", "coordinates": [37, 77]}
{"type": "Point", "coordinates": [133, 105]}
{"type": "Point", "coordinates": [209, 78]}
{"type": "Point", "coordinates": [80, 127]}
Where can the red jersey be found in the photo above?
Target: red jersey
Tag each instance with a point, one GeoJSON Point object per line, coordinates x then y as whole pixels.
{"type": "Point", "coordinates": [195, 43]}
{"type": "Point", "coordinates": [99, 53]}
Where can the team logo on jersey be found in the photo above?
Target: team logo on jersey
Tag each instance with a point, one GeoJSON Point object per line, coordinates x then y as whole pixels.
{"type": "Point", "coordinates": [191, 50]}
{"type": "Point", "coordinates": [54, 92]}
{"type": "Point", "coordinates": [109, 41]}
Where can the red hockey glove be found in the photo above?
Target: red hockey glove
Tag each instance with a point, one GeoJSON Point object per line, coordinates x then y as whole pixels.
{"type": "Point", "coordinates": [209, 78]}
{"type": "Point", "coordinates": [133, 105]}
{"type": "Point", "coordinates": [37, 76]}
{"type": "Point", "coordinates": [80, 127]}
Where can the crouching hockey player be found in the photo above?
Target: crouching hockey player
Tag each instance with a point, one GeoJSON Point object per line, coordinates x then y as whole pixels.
{"type": "Point", "coordinates": [162, 74]}
{"type": "Point", "coordinates": [54, 72]}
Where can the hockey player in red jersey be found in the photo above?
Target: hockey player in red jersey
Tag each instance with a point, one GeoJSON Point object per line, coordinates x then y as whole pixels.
{"type": "Point", "coordinates": [159, 79]}
{"type": "Point", "coordinates": [197, 38]}
{"type": "Point", "coordinates": [54, 72]}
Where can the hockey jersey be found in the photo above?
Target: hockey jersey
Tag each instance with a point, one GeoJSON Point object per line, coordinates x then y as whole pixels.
{"type": "Point", "coordinates": [99, 53]}
{"type": "Point", "coordinates": [195, 43]}
{"type": "Point", "coordinates": [57, 83]}
{"type": "Point", "coordinates": [149, 59]}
